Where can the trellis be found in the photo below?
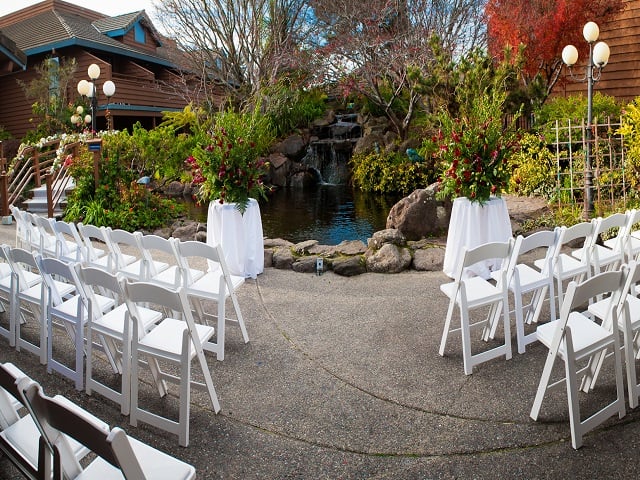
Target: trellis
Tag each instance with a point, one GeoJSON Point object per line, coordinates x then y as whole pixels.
{"type": "Point", "coordinates": [607, 162]}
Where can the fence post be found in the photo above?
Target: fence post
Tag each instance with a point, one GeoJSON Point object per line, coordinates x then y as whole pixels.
{"type": "Point", "coordinates": [95, 147]}
{"type": "Point", "coordinates": [49, 183]}
{"type": "Point", "coordinates": [4, 190]}
{"type": "Point", "coordinates": [36, 167]}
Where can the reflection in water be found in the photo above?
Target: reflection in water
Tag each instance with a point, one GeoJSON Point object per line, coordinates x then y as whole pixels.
{"type": "Point", "coordinates": [327, 213]}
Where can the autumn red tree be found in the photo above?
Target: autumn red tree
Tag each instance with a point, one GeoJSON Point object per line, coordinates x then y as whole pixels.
{"type": "Point", "coordinates": [544, 27]}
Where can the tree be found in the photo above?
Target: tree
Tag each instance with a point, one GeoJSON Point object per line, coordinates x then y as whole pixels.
{"type": "Point", "coordinates": [239, 44]}
{"type": "Point", "coordinates": [380, 48]}
{"type": "Point", "coordinates": [544, 27]}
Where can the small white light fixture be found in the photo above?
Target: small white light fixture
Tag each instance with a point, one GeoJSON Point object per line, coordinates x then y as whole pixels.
{"type": "Point", "coordinates": [591, 32]}
{"type": "Point", "coordinates": [75, 119]}
{"type": "Point", "coordinates": [93, 71]}
{"type": "Point", "coordinates": [570, 55]}
{"type": "Point", "coordinates": [109, 88]}
{"type": "Point", "coordinates": [87, 119]}
{"type": "Point", "coordinates": [601, 54]}
{"type": "Point", "coordinates": [83, 88]}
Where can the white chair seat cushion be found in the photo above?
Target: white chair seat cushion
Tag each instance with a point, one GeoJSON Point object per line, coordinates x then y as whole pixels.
{"type": "Point", "coordinates": [166, 338]}
{"type": "Point", "coordinates": [25, 437]}
{"type": "Point", "coordinates": [587, 336]}
{"type": "Point", "coordinates": [207, 285]}
{"type": "Point", "coordinates": [479, 291]}
{"type": "Point", "coordinates": [169, 277]}
{"type": "Point", "coordinates": [69, 308]}
{"type": "Point", "coordinates": [530, 278]}
{"type": "Point", "coordinates": [112, 322]}
{"type": "Point", "coordinates": [567, 264]}
{"type": "Point", "coordinates": [601, 308]}
{"type": "Point", "coordinates": [154, 463]}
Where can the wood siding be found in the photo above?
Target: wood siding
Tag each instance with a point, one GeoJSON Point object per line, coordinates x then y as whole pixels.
{"type": "Point", "coordinates": [620, 78]}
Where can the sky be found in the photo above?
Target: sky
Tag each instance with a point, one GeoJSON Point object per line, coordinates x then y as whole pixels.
{"type": "Point", "coordinates": [110, 7]}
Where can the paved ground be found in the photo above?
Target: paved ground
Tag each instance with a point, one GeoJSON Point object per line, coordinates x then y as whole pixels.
{"type": "Point", "coordinates": [342, 379]}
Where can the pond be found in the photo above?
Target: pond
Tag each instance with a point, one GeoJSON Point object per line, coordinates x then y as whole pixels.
{"type": "Point", "coordinates": [327, 213]}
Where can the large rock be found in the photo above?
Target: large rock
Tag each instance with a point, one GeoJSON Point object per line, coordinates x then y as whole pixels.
{"type": "Point", "coordinates": [389, 259]}
{"type": "Point", "coordinates": [420, 214]}
{"type": "Point", "coordinates": [293, 147]}
{"type": "Point", "coordinates": [349, 266]}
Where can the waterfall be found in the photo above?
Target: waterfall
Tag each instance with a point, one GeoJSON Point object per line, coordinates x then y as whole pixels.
{"type": "Point", "coordinates": [328, 157]}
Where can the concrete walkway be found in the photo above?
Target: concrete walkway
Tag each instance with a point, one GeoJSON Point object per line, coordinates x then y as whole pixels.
{"type": "Point", "coordinates": [342, 379]}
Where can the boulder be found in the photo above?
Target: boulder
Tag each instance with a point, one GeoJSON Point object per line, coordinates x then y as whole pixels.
{"type": "Point", "coordinates": [420, 214]}
{"type": "Point", "coordinates": [282, 258]}
{"type": "Point", "coordinates": [382, 237]}
{"type": "Point", "coordinates": [428, 259]}
{"type": "Point", "coordinates": [186, 232]}
{"type": "Point", "coordinates": [305, 265]}
{"type": "Point", "coordinates": [349, 266]}
{"type": "Point", "coordinates": [389, 259]}
{"type": "Point", "coordinates": [293, 147]}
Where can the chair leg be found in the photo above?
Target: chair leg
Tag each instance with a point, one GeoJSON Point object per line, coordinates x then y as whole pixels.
{"type": "Point", "coordinates": [447, 326]}
{"type": "Point", "coordinates": [185, 395]}
{"type": "Point", "coordinates": [543, 385]}
{"type": "Point", "coordinates": [466, 342]}
{"type": "Point", "coordinates": [236, 307]}
{"type": "Point", "coordinates": [572, 396]}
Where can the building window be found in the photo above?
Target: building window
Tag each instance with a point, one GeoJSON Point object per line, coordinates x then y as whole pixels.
{"type": "Point", "coordinates": [139, 34]}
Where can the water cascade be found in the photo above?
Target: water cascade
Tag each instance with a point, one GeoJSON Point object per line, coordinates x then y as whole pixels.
{"type": "Point", "coordinates": [328, 156]}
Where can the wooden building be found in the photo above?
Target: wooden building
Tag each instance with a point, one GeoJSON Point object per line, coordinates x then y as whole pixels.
{"type": "Point", "coordinates": [621, 76]}
{"type": "Point", "coordinates": [127, 48]}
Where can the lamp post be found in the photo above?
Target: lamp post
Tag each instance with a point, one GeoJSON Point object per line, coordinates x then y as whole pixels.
{"type": "Point", "coordinates": [88, 89]}
{"type": "Point", "coordinates": [598, 59]}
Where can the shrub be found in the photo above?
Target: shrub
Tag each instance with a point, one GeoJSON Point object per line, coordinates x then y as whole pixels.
{"type": "Point", "coordinates": [389, 172]}
{"type": "Point", "coordinates": [533, 168]}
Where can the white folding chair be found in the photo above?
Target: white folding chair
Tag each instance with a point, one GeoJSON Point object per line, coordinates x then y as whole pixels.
{"type": "Point", "coordinates": [567, 267]}
{"type": "Point", "coordinates": [29, 300]}
{"type": "Point", "coordinates": [8, 329]}
{"type": "Point", "coordinates": [631, 243]}
{"type": "Point", "coordinates": [629, 324]}
{"type": "Point", "coordinates": [71, 314]}
{"type": "Point", "coordinates": [471, 293]}
{"type": "Point", "coordinates": [98, 257]}
{"type": "Point", "coordinates": [602, 256]}
{"type": "Point", "coordinates": [48, 241]}
{"type": "Point", "coordinates": [576, 339]}
{"type": "Point", "coordinates": [523, 279]}
{"type": "Point", "coordinates": [69, 244]}
{"type": "Point", "coordinates": [36, 240]}
{"type": "Point", "coordinates": [19, 436]}
{"type": "Point", "coordinates": [156, 270]}
{"type": "Point", "coordinates": [216, 285]}
{"type": "Point", "coordinates": [118, 456]}
{"type": "Point", "coordinates": [23, 228]}
{"type": "Point", "coordinates": [112, 328]}
{"type": "Point", "coordinates": [133, 269]}
{"type": "Point", "coordinates": [176, 341]}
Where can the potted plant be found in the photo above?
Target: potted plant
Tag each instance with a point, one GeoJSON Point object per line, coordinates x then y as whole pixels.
{"type": "Point", "coordinates": [474, 151]}
{"type": "Point", "coordinates": [227, 164]}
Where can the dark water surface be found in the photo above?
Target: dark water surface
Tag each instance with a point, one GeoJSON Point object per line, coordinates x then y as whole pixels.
{"type": "Point", "coordinates": [327, 213]}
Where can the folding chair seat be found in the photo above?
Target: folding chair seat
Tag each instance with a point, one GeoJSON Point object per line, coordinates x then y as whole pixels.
{"type": "Point", "coordinates": [152, 247]}
{"type": "Point", "coordinates": [69, 245]}
{"type": "Point", "coordinates": [19, 434]}
{"type": "Point", "coordinates": [525, 280]}
{"type": "Point", "coordinates": [98, 257]}
{"type": "Point", "coordinates": [118, 456]}
{"type": "Point", "coordinates": [216, 285]}
{"type": "Point", "coordinates": [29, 299]}
{"type": "Point", "coordinates": [112, 328]}
{"type": "Point", "coordinates": [628, 304]}
{"type": "Point", "coordinates": [175, 341]}
{"type": "Point", "coordinates": [577, 340]}
{"type": "Point", "coordinates": [566, 266]}
{"type": "Point", "coordinates": [602, 256]}
{"type": "Point", "coordinates": [70, 314]}
{"type": "Point", "coordinates": [471, 293]}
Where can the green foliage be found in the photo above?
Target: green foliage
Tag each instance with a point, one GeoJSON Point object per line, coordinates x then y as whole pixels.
{"type": "Point", "coordinates": [533, 168]}
{"type": "Point", "coordinates": [574, 108]}
{"type": "Point", "coordinates": [630, 128]}
{"type": "Point", "coordinates": [390, 172]}
{"type": "Point", "coordinates": [289, 107]}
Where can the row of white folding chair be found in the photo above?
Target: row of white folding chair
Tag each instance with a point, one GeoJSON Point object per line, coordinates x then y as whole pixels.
{"type": "Point", "coordinates": [579, 342]}
{"type": "Point", "coordinates": [53, 439]}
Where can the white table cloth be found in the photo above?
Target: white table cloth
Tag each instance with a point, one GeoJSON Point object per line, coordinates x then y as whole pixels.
{"type": "Point", "coordinates": [471, 225]}
{"type": "Point", "coordinates": [240, 236]}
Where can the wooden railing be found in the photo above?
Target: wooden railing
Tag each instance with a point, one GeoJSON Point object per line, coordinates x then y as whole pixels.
{"type": "Point", "coordinates": [32, 170]}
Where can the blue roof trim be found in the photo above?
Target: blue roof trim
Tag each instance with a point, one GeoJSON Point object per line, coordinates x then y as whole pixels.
{"type": "Point", "coordinates": [101, 47]}
{"type": "Point", "coordinates": [143, 108]}
{"type": "Point", "coordinates": [13, 58]}
{"type": "Point", "coordinates": [116, 33]}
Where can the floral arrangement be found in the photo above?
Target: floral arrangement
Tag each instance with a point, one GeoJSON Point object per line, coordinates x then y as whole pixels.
{"type": "Point", "coordinates": [228, 166]}
{"type": "Point", "coordinates": [474, 152]}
